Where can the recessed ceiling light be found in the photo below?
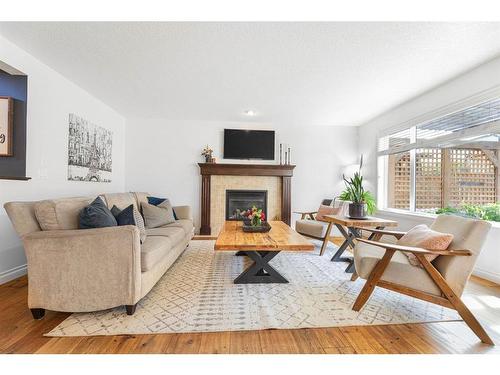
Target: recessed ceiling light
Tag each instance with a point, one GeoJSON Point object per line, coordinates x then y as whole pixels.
{"type": "Point", "coordinates": [249, 112]}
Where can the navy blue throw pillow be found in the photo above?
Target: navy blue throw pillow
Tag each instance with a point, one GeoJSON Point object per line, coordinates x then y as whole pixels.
{"type": "Point", "coordinates": [96, 215]}
{"type": "Point", "coordinates": [125, 216]}
{"type": "Point", "coordinates": [130, 216]}
{"type": "Point", "coordinates": [156, 201]}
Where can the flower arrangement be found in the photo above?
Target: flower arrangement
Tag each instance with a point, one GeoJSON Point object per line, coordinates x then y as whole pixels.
{"type": "Point", "coordinates": [207, 153]}
{"type": "Point", "coordinates": [256, 216]}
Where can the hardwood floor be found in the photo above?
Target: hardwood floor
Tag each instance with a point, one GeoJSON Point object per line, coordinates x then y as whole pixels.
{"type": "Point", "coordinates": [21, 334]}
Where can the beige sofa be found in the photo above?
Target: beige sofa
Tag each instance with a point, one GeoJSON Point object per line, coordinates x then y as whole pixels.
{"type": "Point", "coordinates": [76, 270]}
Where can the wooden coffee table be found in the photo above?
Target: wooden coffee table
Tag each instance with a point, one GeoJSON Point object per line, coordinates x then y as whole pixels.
{"type": "Point", "coordinates": [261, 248]}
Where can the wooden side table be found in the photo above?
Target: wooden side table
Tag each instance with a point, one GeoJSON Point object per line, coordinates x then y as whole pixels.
{"type": "Point", "coordinates": [353, 225]}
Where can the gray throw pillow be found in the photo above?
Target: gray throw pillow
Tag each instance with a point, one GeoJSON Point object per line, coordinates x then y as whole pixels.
{"type": "Point", "coordinates": [157, 216]}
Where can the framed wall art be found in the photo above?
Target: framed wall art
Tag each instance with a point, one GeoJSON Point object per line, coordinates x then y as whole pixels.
{"type": "Point", "coordinates": [90, 155]}
{"type": "Point", "coordinates": [6, 125]}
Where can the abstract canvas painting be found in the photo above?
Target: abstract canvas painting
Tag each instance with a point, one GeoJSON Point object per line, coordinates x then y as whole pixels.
{"type": "Point", "coordinates": [89, 151]}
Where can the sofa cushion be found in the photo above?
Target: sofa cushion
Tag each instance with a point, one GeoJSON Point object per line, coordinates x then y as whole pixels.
{"type": "Point", "coordinates": [183, 212]}
{"type": "Point", "coordinates": [120, 200]}
{"type": "Point", "coordinates": [399, 270]}
{"type": "Point", "coordinates": [96, 215]}
{"type": "Point", "coordinates": [57, 214]}
{"type": "Point", "coordinates": [186, 225]}
{"type": "Point", "coordinates": [141, 197]}
{"type": "Point", "coordinates": [153, 250]}
{"type": "Point", "coordinates": [311, 228]}
{"type": "Point", "coordinates": [157, 216]}
{"type": "Point", "coordinates": [162, 202]}
{"type": "Point", "coordinates": [175, 234]}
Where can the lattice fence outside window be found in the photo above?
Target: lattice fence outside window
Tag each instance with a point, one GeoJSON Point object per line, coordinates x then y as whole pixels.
{"type": "Point", "coordinates": [443, 177]}
{"type": "Point", "coordinates": [428, 179]}
{"type": "Point", "coordinates": [399, 181]}
{"type": "Point", "coordinates": [472, 178]}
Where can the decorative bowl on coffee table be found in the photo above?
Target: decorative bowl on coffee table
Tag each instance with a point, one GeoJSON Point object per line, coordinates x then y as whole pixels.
{"type": "Point", "coordinates": [263, 228]}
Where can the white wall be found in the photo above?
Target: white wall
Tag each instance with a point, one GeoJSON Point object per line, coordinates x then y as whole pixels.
{"type": "Point", "coordinates": [473, 82]}
{"type": "Point", "coordinates": [162, 158]}
{"type": "Point", "coordinates": [51, 98]}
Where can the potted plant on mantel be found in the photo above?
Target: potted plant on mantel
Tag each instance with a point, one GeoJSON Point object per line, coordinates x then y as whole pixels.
{"type": "Point", "coordinates": [361, 201]}
{"type": "Point", "coordinates": [207, 153]}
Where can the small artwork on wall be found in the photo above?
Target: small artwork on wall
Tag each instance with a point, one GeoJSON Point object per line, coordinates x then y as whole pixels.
{"type": "Point", "coordinates": [6, 120]}
{"type": "Point", "coordinates": [89, 151]}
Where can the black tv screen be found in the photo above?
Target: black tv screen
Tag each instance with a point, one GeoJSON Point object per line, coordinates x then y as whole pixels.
{"type": "Point", "coordinates": [248, 144]}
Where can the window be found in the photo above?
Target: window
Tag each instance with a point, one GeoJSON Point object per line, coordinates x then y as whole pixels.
{"type": "Point", "coordinates": [399, 181]}
{"type": "Point", "coordinates": [449, 164]}
{"type": "Point", "coordinates": [428, 179]}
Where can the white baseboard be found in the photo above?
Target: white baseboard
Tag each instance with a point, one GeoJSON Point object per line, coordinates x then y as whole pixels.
{"type": "Point", "coordinates": [494, 277]}
{"type": "Point", "coordinates": [13, 273]}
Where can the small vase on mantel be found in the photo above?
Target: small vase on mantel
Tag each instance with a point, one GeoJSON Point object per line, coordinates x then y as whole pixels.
{"type": "Point", "coordinates": [207, 153]}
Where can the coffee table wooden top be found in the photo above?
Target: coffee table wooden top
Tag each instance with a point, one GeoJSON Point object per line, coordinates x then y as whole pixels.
{"type": "Point", "coordinates": [370, 221]}
{"type": "Point", "coordinates": [280, 238]}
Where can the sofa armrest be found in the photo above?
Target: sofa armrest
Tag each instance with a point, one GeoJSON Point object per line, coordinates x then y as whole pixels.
{"type": "Point", "coordinates": [83, 270]}
{"type": "Point", "coordinates": [183, 212]}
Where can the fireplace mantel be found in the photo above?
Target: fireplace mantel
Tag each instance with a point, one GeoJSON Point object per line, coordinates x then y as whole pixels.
{"type": "Point", "coordinates": [209, 169]}
{"type": "Point", "coordinates": [246, 169]}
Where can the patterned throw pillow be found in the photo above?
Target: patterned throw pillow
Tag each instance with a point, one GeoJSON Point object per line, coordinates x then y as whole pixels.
{"type": "Point", "coordinates": [426, 238]}
{"type": "Point", "coordinates": [130, 216]}
{"type": "Point", "coordinates": [157, 216]}
{"type": "Point", "coordinates": [327, 210]}
{"type": "Point", "coordinates": [96, 215]}
{"type": "Point", "coordinates": [158, 201]}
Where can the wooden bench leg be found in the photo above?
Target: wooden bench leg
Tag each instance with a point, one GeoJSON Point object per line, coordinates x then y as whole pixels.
{"type": "Point", "coordinates": [455, 300]}
{"type": "Point", "coordinates": [326, 239]}
{"type": "Point", "coordinates": [373, 279]}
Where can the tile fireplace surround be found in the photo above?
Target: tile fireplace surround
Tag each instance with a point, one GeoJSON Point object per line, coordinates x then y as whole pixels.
{"type": "Point", "coordinates": [217, 178]}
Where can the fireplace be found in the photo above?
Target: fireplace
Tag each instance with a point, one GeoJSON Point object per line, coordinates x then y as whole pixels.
{"type": "Point", "coordinates": [217, 178]}
{"type": "Point", "coordinates": [238, 201]}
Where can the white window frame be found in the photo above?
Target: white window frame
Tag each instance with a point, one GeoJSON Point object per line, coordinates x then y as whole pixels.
{"type": "Point", "coordinates": [382, 155]}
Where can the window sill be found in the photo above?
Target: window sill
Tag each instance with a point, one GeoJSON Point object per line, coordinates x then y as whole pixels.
{"type": "Point", "coordinates": [398, 213]}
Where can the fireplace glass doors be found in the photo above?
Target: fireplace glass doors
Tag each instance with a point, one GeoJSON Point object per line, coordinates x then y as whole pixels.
{"type": "Point", "coordinates": [238, 201]}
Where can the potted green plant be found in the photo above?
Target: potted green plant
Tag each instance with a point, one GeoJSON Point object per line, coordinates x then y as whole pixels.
{"type": "Point", "coordinates": [361, 201]}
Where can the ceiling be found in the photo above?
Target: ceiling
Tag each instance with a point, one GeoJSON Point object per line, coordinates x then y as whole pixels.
{"type": "Point", "coordinates": [289, 73]}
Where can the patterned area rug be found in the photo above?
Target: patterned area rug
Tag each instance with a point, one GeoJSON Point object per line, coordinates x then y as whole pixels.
{"type": "Point", "coordinates": [197, 294]}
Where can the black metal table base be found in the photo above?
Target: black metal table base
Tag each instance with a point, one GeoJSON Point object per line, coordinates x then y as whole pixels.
{"type": "Point", "coordinates": [349, 235]}
{"type": "Point", "coordinates": [260, 272]}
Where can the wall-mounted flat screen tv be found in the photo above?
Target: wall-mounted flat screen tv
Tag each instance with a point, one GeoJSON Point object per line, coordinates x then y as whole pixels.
{"type": "Point", "coordinates": [249, 144]}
